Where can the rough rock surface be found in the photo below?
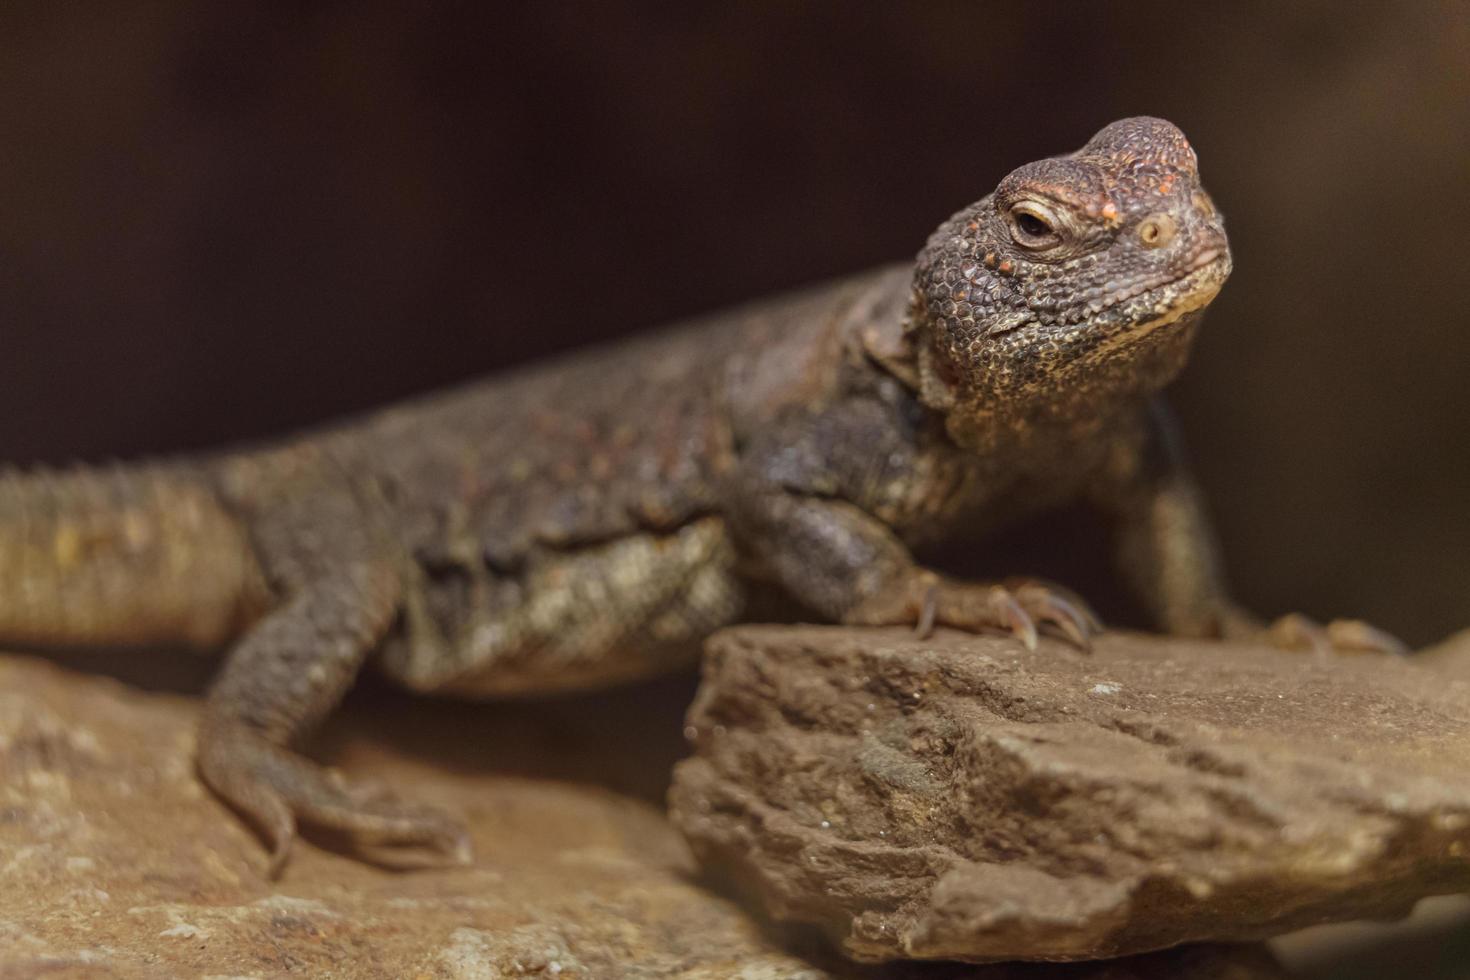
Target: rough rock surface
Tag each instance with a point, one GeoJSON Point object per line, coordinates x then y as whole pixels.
{"type": "Point", "coordinates": [114, 863]}
{"type": "Point", "coordinates": [959, 798]}
{"type": "Point", "coordinates": [1451, 655]}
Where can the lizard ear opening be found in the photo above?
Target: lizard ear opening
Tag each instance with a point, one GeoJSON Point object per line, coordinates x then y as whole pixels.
{"type": "Point", "coordinates": [906, 350]}
{"type": "Point", "coordinates": [938, 385]}
{"type": "Point", "coordinates": [890, 343]}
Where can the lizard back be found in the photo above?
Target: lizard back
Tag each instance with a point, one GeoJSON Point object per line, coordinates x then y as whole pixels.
{"type": "Point", "coordinates": [561, 527]}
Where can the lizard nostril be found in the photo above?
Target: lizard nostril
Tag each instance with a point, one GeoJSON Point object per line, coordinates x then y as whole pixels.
{"type": "Point", "coordinates": [1157, 231]}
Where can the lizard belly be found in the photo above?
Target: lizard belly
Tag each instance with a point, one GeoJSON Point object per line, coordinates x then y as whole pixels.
{"type": "Point", "coordinates": [628, 608]}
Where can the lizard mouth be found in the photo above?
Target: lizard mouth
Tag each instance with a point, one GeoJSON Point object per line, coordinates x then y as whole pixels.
{"type": "Point", "coordinates": [1175, 297]}
{"type": "Point", "coordinates": [1161, 304]}
{"type": "Point", "coordinates": [1201, 280]}
{"type": "Point", "coordinates": [1158, 298]}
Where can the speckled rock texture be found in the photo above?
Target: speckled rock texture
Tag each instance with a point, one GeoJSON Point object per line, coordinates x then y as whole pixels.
{"type": "Point", "coordinates": [115, 863]}
{"type": "Point", "coordinates": [960, 798]}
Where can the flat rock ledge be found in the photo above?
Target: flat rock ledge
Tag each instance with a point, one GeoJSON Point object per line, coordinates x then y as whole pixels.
{"type": "Point", "coordinates": [116, 864]}
{"type": "Point", "coordinates": [959, 798]}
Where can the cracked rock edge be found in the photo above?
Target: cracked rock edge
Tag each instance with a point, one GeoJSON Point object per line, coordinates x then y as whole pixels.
{"type": "Point", "coordinates": [959, 798]}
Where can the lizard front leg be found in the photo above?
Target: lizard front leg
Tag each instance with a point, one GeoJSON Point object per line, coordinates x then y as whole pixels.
{"type": "Point", "coordinates": [848, 566]}
{"type": "Point", "coordinates": [283, 677]}
{"type": "Point", "coordinates": [1167, 551]}
{"type": "Point", "coordinates": [793, 508]}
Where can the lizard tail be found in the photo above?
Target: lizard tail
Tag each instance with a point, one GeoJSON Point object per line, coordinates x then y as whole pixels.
{"type": "Point", "coordinates": [121, 557]}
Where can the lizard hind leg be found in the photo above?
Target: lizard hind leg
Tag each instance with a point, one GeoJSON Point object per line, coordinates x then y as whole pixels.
{"type": "Point", "coordinates": [279, 681]}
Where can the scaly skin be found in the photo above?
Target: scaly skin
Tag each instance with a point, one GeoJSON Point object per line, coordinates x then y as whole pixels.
{"type": "Point", "coordinates": [593, 519]}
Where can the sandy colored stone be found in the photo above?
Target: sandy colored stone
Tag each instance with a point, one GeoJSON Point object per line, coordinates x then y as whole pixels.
{"type": "Point", "coordinates": [960, 798]}
{"type": "Point", "coordinates": [1450, 655]}
{"type": "Point", "coordinates": [115, 863]}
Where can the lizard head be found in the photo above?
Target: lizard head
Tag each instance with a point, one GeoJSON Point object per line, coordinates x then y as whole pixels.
{"type": "Point", "coordinates": [1075, 286]}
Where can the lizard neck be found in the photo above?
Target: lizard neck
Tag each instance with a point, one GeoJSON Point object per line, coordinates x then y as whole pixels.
{"type": "Point", "coordinates": [1009, 433]}
{"type": "Point", "coordinates": [1009, 406]}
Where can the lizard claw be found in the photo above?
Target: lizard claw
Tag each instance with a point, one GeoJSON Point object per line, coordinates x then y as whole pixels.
{"type": "Point", "coordinates": [1356, 635]}
{"type": "Point", "coordinates": [1297, 632]}
{"type": "Point", "coordinates": [276, 789]}
{"type": "Point", "coordinates": [1021, 607]}
{"type": "Point", "coordinates": [279, 855]}
{"type": "Point", "coordinates": [1010, 612]}
{"type": "Point", "coordinates": [460, 851]}
{"type": "Point", "coordinates": [1078, 609]}
{"type": "Point", "coordinates": [1076, 624]}
{"type": "Point", "coordinates": [928, 611]}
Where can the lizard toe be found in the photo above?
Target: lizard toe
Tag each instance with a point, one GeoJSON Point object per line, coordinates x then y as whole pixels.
{"type": "Point", "coordinates": [1019, 607]}
{"type": "Point", "coordinates": [1356, 635]}
{"type": "Point", "coordinates": [1012, 615]}
{"type": "Point", "coordinates": [1052, 609]}
{"type": "Point", "coordinates": [1295, 631]}
{"type": "Point", "coordinates": [267, 809]}
{"type": "Point", "coordinates": [276, 788]}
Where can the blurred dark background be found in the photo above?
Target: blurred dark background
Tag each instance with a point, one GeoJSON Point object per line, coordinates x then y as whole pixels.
{"type": "Point", "coordinates": [219, 221]}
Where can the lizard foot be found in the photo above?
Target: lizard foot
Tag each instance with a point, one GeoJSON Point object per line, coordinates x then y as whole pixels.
{"type": "Point", "coordinates": [274, 788]}
{"type": "Point", "coordinates": [1021, 607]}
{"type": "Point", "coordinates": [1298, 632]}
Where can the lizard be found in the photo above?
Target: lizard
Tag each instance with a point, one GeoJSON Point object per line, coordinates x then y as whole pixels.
{"type": "Point", "coordinates": [589, 520]}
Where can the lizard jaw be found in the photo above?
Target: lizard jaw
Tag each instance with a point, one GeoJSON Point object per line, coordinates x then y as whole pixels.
{"type": "Point", "coordinates": [1194, 291]}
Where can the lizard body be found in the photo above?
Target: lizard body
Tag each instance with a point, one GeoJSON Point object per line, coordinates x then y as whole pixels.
{"type": "Point", "coordinates": [591, 519]}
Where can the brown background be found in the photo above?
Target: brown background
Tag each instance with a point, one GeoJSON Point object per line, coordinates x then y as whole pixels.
{"type": "Point", "coordinates": [221, 220]}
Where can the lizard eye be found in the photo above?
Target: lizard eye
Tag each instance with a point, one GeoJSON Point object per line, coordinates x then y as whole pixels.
{"type": "Point", "coordinates": [1033, 226]}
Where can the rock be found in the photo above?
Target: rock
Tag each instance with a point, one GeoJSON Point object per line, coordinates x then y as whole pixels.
{"type": "Point", "coordinates": [115, 863]}
{"type": "Point", "coordinates": [1451, 655]}
{"type": "Point", "coordinates": [960, 798]}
